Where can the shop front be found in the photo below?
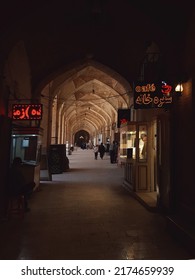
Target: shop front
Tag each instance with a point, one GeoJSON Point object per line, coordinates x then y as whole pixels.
{"type": "Point", "coordinates": [26, 139]}
{"type": "Point", "coordinates": [145, 146]}
{"type": "Point", "coordinates": [26, 144]}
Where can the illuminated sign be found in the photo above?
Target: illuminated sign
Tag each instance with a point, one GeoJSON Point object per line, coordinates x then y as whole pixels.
{"type": "Point", "coordinates": [152, 95]}
{"type": "Point", "coordinates": [27, 112]}
{"type": "Point", "coordinates": [124, 116]}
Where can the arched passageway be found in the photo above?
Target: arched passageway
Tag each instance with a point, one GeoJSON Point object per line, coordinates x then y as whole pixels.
{"type": "Point", "coordinates": [85, 96]}
{"type": "Point", "coordinates": [81, 138]}
{"type": "Point", "coordinates": [81, 65]}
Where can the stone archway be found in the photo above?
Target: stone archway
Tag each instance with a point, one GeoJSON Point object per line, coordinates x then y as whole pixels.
{"type": "Point", "coordinates": [85, 97]}
{"type": "Point", "coordinates": [81, 138]}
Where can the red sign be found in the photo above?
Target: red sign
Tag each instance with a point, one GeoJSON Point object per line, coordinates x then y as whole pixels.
{"type": "Point", "coordinates": [152, 95]}
{"type": "Point", "coordinates": [27, 112]}
{"type": "Point", "coordinates": [124, 116]}
{"type": "Point", "coordinates": [123, 121]}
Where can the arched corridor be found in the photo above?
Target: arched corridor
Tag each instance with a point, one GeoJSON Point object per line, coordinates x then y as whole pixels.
{"type": "Point", "coordinates": [76, 66]}
{"type": "Point", "coordinates": [84, 96]}
{"type": "Point", "coordinates": [85, 213]}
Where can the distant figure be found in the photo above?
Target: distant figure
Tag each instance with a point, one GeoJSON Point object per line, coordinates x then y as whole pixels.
{"type": "Point", "coordinates": [116, 147]}
{"type": "Point", "coordinates": [113, 149]}
{"type": "Point", "coordinates": [95, 149]}
{"type": "Point", "coordinates": [111, 152]}
{"type": "Point", "coordinates": [17, 185]}
{"type": "Point", "coordinates": [83, 145]}
{"type": "Point", "coordinates": [102, 150]}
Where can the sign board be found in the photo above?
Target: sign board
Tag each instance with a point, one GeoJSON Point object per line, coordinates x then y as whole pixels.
{"type": "Point", "coordinates": [152, 95]}
{"type": "Point", "coordinates": [27, 112]}
{"type": "Point", "coordinates": [124, 116]}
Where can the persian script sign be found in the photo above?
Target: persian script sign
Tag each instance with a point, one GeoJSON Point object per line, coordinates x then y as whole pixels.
{"type": "Point", "coordinates": [27, 112]}
{"type": "Point", "coordinates": [124, 116]}
{"type": "Point", "coordinates": [152, 95]}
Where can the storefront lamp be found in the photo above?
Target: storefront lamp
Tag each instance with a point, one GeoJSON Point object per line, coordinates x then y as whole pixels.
{"type": "Point", "coordinates": [179, 89]}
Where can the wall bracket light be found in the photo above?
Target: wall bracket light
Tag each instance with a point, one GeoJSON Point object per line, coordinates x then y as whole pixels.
{"type": "Point", "coordinates": [179, 89]}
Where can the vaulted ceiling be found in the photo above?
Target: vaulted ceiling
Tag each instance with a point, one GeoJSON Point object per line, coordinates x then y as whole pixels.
{"type": "Point", "coordinates": [89, 95]}
{"type": "Point", "coordinates": [91, 50]}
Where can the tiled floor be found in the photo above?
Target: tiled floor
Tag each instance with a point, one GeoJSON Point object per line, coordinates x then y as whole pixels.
{"type": "Point", "coordinates": [85, 213]}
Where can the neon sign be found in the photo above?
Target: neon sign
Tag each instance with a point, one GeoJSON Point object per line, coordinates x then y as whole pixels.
{"type": "Point", "coordinates": [123, 121]}
{"type": "Point", "coordinates": [123, 116]}
{"type": "Point", "coordinates": [145, 88]}
{"type": "Point", "coordinates": [27, 112]}
{"type": "Point", "coordinates": [151, 95]}
{"type": "Point", "coordinates": [166, 89]}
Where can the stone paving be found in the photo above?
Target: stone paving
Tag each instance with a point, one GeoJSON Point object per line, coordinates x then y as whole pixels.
{"type": "Point", "coordinates": [85, 213]}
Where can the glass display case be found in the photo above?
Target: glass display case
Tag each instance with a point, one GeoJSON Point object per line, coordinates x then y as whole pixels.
{"type": "Point", "coordinates": [130, 148]}
{"type": "Point", "coordinates": [128, 141]}
{"type": "Point", "coordinates": [26, 143]}
{"type": "Point", "coordinates": [27, 147]}
{"type": "Point", "coordinates": [133, 155]}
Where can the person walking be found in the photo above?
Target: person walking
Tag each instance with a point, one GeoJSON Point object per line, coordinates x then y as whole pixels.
{"type": "Point", "coordinates": [96, 149]}
{"type": "Point", "coordinates": [111, 151]}
{"type": "Point", "coordinates": [102, 150]}
{"type": "Point", "coordinates": [116, 146]}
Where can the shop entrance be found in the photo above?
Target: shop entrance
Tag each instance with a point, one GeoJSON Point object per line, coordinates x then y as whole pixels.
{"type": "Point", "coordinates": [139, 147]}
{"type": "Point", "coordinates": [26, 143]}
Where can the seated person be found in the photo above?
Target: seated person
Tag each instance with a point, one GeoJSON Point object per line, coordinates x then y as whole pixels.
{"type": "Point", "coordinates": [17, 184]}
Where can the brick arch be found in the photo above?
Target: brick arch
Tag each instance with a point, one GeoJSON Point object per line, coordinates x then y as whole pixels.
{"type": "Point", "coordinates": [81, 137]}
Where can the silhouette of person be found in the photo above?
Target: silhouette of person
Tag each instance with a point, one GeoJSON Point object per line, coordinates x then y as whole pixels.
{"type": "Point", "coordinates": [102, 150]}
{"type": "Point", "coordinates": [112, 150]}
{"type": "Point", "coordinates": [17, 184]}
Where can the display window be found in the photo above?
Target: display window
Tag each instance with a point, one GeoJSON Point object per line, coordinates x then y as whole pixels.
{"type": "Point", "coordinates": [27, 147]}
{"type": "Point", "coordinates": [142, 142]}
{"type": "Point", "coordinates": [133, 142]}
{"type": "Point", "coordinates": [128, 142]}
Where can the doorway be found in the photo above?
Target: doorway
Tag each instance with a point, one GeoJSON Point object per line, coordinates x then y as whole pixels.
{"type": "Point", "coordinates": [139, 146]}
{"type": "Point", "coordinates": [81, 138]}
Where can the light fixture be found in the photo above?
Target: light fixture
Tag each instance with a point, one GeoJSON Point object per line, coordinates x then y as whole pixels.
{"type": "Point", "coordinates": [179, 89]}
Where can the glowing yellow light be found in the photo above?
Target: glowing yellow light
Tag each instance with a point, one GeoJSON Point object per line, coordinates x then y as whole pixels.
{"type": "Point", "coordinates": [179, 88]}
